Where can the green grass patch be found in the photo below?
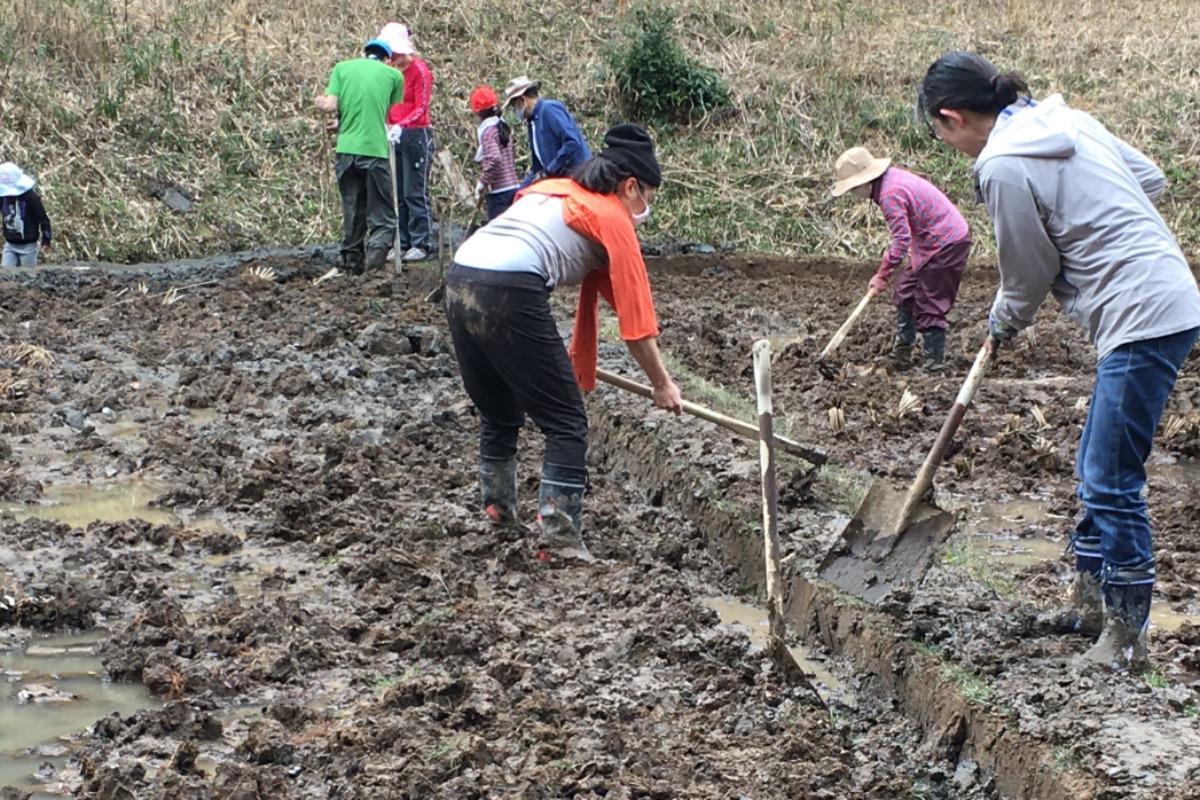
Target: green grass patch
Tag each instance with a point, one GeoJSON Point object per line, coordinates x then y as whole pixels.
{"type": "Point", "coordinates": [1064, 758]}
{"type": "Point", "coordinates": [964, 554]}
{"type": "Point", "coordinates": [1155, 679]}
{"type": "Point", "coordinates": [973, 688]}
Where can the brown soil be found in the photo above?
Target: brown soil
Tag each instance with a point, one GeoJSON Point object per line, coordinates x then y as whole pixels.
{"type": "Point", "coordinates": [332, 618]}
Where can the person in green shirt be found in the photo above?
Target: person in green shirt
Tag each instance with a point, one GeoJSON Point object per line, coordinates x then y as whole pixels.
{"type": "Point", "coordinates": [360, 91]}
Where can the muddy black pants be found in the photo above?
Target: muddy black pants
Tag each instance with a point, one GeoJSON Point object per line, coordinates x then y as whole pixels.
{"type": "Point", "coordinates": [513, 363]}
{"type": "Point", "coordinates": [367, 214]}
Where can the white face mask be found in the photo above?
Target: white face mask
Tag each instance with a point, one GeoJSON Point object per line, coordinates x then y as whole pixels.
{"type": "Point", "coordinates": [643, 215]}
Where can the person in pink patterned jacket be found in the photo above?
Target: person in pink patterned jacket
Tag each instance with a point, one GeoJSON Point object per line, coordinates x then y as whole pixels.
{"type": "Point", "coordinates": [498, 182]}
{"type": "Point", "coordinates": [928, 230]}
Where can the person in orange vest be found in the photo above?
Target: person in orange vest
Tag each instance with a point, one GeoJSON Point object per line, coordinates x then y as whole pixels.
{"type": "Point", "coordinates": [563, 231]}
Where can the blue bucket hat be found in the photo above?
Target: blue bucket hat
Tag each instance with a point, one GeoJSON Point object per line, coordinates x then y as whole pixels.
{"type": "Point", "coordinates": [381, 44]}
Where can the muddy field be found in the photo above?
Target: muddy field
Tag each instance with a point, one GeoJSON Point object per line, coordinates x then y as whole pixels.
{"type": "Point", "coordinates": [240, 559]}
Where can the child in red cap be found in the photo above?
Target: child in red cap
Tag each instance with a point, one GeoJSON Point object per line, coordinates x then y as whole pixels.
{"type": "Point", "coordinates": [498, 179]}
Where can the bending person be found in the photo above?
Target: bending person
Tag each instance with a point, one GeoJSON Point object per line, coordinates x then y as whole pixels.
{"type": "Point", "coordinates": [921, 219]}
{"type": "Point", "coordinates": [560, 232]}
{"type": "Point", "coordinates": [1074, 216]}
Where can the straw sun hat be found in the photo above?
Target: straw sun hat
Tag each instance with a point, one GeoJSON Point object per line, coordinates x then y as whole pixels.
{"type": "Point", "coordinates": [855, 167]}
{"type": "Point", "coordinates": [517, 87]}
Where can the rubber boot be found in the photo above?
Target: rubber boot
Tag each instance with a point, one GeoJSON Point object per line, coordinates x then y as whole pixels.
{"type": "Point", "coordinates": [1084, 613]}
{"type": "Point", "coordinates": [498, 487]}
{"type": "Point", "coordinates": [376, 258]}
{"type": "Point", "coordinates": [933, 341]}
{"type": "Point", "coordinates": [560, 513]}
{"type": "Point", "coordinates": [1122, 644]}
{"type": "Point", "coordinates": [352, 263]}
{"type": "Point", "coordinates": [906, 336]}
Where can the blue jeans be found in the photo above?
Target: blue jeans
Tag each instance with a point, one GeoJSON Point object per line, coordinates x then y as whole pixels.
{"type": "Point", "coordinates": [1132, 386]}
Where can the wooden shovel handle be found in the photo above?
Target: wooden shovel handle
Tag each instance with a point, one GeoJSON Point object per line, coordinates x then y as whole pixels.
{"type": "Point", "coordinates": [811, 455]}
{"type": "Point", "coordinates": [840, 336]}
{"type": "Point", "coordinates": [924, 478]}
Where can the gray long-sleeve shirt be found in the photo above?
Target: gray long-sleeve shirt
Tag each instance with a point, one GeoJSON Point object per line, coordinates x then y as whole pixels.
{"type": "Point", "coordinates": [1074, 215]}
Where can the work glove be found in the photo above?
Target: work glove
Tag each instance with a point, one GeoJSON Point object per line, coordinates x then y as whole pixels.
{"type": "Point", "coordinates": [478, 190]}
{"type": "Point", "coordinates": [877, 286]}
{"type": "Point", "coordinates": [394, 132]}
{"type": "Point", "coordinates": [1001, 332]}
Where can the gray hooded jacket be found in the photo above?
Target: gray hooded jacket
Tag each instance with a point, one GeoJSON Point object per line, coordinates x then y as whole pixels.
{"type": "Point", "coordinates": [1074, 215]}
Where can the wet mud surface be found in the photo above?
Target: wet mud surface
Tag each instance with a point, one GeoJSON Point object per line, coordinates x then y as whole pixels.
{"type": "Point", "coordinates": [258, 500]}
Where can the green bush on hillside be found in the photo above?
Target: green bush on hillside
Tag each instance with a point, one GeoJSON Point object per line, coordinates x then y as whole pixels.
{"type": "Point", "coordinates": [656, 80]}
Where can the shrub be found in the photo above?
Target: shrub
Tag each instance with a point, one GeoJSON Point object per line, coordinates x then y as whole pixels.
{"type": "Point", "coordinates": [656, 80]}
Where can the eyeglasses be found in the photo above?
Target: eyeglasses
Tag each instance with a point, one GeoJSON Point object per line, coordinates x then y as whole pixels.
{"type": "Point", "coordinates": [932, 128]}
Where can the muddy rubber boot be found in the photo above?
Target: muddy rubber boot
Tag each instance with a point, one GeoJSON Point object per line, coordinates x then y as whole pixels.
{"type": "Point", "coordinates": [1084, 613]}
{"type": "Point", "coordinates": [1122, 643]}
{"type": "Point", "coordinates": [376, 258]}
{"type": "Point", "coordinates": [352, 264]}
{"type": "Point", "coordinates": [906, 336]}
{"type": "Point", "coordinates": [560, 513]}
{"type": "Point", "coordinates": [498, 489]}
{"type": "Point", "coordinates": [933, 342]}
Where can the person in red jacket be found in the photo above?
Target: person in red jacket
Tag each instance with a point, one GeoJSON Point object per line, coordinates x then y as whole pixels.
{"type": "Point", "coordinates": [409, 129]}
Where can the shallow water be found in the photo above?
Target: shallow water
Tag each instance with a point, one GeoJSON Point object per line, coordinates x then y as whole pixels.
{"type": "Point", "coordinates": [79, 505]}
{"type": "Point", "coordinates": [66, 663]}
{"type": "Point", "coordinates": [995, 527]}
{"type": "Point", "coordinates": [734, 612]}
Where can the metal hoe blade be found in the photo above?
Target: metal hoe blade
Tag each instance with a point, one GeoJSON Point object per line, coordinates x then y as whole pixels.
{"type": "Point", "coordinates": [872, 559]}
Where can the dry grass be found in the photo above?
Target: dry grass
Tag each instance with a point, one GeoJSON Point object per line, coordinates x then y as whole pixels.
{"type": "Point", "coordinates": [110, 104]}
{"type": "Point", "coordinates": [28, 355]}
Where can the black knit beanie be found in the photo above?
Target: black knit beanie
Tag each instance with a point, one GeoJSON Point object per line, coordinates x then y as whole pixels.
{"type": "Point", "coordinates": [629, 147]}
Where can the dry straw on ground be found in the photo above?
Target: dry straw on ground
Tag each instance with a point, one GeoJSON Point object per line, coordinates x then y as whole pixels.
{"type": "Point", "coordinates": [117, 104]}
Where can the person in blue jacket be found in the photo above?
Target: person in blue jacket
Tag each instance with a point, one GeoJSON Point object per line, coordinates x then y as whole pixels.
{"type": "Point", "coordinates": [557, 146]}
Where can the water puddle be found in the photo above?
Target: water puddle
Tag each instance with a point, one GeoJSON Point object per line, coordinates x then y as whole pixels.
{"type": "Point", "coordinates": [81, 505]}
{"type": "Point", "coordinates": [754, 620]}
{"type": "Point", "coordinates": [1163, 617]}
{"type": "Point", "coordinates": [995, 528]}
{"type": "Point", "coordinates": [128, 429]}
{"type": "Point", "coordinates": [1187, 472]}
{"type": "Point", "coordinates": [51, 694]}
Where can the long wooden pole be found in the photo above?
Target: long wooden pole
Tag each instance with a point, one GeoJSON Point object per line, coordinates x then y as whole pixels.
{"type": "Point", "coordinates": [397, 255]}
{"type": "Point", "coordinates": [770, 491]}
{"type": "Point", "coordinates": [809, 454]}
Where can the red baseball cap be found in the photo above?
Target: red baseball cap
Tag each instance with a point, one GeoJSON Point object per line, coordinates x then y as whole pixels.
{"type": "Point", "coordinates": [483, 98]}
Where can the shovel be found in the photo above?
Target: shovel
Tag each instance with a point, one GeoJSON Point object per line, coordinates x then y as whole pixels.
{"type": "Point", "coordinates": [809, 454]}
{"type": "Point", "coordinates": [893, 537]}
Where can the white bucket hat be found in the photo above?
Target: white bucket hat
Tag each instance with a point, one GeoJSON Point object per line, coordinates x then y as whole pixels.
{"type": "Point", "coordinates": [13, 180]}
{"type": "Point", "coordinates": [517, 87]}
{"type": "Point", "coordinates": [397, 37]}
{"type": "Point", "coordinates": [855, 167]}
